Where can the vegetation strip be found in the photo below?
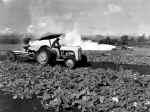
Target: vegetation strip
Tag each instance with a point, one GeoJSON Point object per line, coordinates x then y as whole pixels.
{"type": "Point", "coordinates": [89, 90]}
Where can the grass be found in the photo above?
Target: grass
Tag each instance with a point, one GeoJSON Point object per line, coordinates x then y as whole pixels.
{"type": "Point", "coordinates": [10, 47]}
{"type": "Point", "coordinates": [86, 89]}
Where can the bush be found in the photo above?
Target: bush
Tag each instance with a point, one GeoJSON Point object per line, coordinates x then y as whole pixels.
{"type": "Point", "coordinates": [88, 90]}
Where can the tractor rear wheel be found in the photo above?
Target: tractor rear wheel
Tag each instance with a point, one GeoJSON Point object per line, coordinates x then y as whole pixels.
{"type": "Point", "coordinates": [45, 56]}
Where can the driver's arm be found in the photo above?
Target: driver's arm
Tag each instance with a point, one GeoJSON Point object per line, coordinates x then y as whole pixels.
{"type": "Point", "coordinates": [56, 44]}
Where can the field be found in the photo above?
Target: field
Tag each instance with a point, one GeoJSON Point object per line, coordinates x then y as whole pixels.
{"type": "Point", "coordinates": [10, 47]}
{"type": "Point", "coordinates": [116, 81]}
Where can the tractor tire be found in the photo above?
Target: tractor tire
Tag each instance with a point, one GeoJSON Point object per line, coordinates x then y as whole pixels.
{"type": "Point", "coordinates": [10, 56]}
{"type": "Point", "coordinates": [84, 61]}
{"type": "Point", "coordinates": [70, 63]}
{"type": "Point", "coordinates": [45, 56]}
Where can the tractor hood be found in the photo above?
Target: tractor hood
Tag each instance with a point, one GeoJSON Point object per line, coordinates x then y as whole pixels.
{"type": "Point", "coordinates": [70, 48]}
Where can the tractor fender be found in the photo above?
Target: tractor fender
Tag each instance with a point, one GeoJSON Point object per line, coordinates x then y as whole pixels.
{"type": "Point", "coordinates": [44, 47]}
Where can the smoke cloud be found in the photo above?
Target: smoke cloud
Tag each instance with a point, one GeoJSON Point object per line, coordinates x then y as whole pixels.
{"type": "Point", "coordinates": [73, 38]}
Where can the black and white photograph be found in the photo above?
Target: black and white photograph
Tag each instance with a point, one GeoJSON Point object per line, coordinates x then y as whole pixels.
{"type": "Point", "coordinates": [74, 56]}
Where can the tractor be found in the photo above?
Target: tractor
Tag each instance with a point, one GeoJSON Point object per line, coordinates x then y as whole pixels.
{"type": "Point", "coordinates": [47, 50]}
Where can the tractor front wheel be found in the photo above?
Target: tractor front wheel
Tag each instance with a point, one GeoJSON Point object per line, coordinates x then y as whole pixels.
{"type": "Point", "coordinates": [84, 61]}
{"type": "Point", "coordinates": [70, 63]}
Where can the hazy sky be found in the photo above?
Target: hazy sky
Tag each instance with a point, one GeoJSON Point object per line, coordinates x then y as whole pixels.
{"type": "Point", "coordinates": [92, 16]}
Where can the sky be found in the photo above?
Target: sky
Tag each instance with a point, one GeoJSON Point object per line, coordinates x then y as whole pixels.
{"type": "Point", "coordinates": [88, 16]}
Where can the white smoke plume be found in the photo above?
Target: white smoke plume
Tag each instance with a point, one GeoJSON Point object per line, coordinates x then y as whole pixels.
{"type": "Point", "coordinates": [73, 38]}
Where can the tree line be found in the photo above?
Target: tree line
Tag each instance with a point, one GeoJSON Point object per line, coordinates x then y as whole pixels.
{"type": "Point", "coordinates": [122, 40]}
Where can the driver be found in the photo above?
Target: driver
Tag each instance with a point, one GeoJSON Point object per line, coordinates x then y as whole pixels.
{"type": "Point", "coordinates": [56, 44]}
